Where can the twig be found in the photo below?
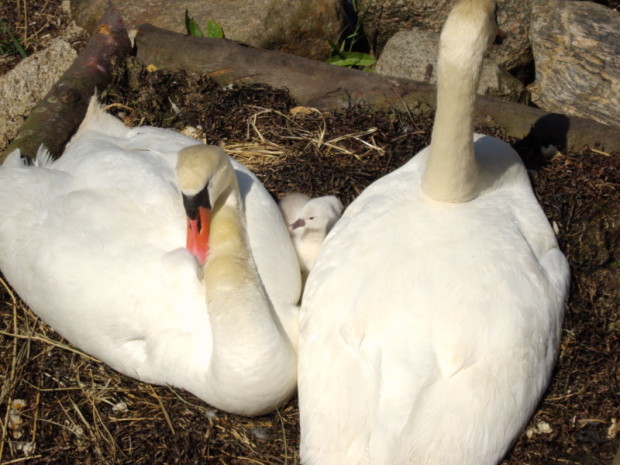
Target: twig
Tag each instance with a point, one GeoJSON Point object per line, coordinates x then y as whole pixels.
{"type": "Point", "coordinates": [163, 409]}
{"type": "Point", "coordinates": [5, 428]}
{"type": "Point", "coordinates": [118, 105]}
{"type": "Point", "coordinates": [248, 459]}
{"type": "Point", "coordinates": [572, 394]}
{"type": "Point", "coordinates": [96, 416]}
{"type": "Point", "coordinates": [186, 402]}
{"type": "Point", "coordinates": [600, 152]}
{"type": "Point", "coordinates": [25, 22]}
{"type": "Point", "coordinates": [283, 437]}
{"type": "Point", "coordinates": [81, 416]}
{"type": "Point", "coordinates": [22, 459]}
{"type": "Point", "coordinates": [35, 417]}
{"type": "Point", "coordinates": [51, 342]}
{"type": "Point", "coordinates": [406, 106]}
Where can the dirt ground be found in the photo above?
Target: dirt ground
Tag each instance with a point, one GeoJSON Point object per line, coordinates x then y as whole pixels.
{"type": "Point", "coordinates": [59, 406]}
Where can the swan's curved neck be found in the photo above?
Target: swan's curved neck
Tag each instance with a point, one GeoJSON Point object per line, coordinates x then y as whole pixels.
{"type": "Point", "coordinates": [244, 324]}
{"type": "Point", "coordinates": [451, 173]}
{"type": "Point", "coordinates": [236, 298]}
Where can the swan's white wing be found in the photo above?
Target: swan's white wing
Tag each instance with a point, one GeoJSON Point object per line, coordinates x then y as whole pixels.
{"type": "Point", "coordinates": [269, 239]}
{"type": "Point", "coordinates": [408, 311]}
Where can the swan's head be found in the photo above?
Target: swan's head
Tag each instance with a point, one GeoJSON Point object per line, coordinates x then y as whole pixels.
{"type": "Point", "coordinates": [319, 215]}
{"type": "Point", "coordinates": [206, 178]}
{"type": "Point", "coordinates": [469, 29]}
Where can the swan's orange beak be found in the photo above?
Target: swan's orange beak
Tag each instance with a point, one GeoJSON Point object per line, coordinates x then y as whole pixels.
{"type": "Point", "coordinates": [198, 234]}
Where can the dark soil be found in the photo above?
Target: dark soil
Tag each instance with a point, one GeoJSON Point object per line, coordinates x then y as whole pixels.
{"type": "Point", "coordinates": [32, 24]}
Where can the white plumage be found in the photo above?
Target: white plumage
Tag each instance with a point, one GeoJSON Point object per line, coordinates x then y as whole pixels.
{"type": "Point", "coordinates": [94, 243]}
{"type": "Point", "coordinates": [309, 221]}
{"type": "Point", "coordinates": [431, 319]}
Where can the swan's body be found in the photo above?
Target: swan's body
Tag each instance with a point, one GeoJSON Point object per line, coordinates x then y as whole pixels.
{"type": "Point", "coordinates": [309, 221]}
{"type": "Point", "coordinates": [431, 319]}
{"type": "Point", "coordinates": [93, 242]}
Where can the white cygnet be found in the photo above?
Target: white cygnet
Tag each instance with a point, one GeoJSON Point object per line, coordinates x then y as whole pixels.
{"type": "Point", "coordinates": [309, 221]}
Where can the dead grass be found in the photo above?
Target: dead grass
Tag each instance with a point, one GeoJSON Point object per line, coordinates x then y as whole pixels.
{"type": "Point", "coordinates": [34, 23]}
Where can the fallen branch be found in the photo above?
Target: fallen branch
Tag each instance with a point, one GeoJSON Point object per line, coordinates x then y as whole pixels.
{"type": "Point", "coordinates": [54, 120]}
{"type": "Point", "coordinates": [329, 87]}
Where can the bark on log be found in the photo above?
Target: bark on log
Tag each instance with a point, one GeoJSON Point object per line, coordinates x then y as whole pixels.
{"type": "Point", "coordinates": [329, 87]}
{"type": "Point", "coordinates": [54, 120]}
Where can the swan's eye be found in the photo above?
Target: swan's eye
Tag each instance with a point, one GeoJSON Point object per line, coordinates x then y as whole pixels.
{"type": "Point", "coordinates": [311, 218]}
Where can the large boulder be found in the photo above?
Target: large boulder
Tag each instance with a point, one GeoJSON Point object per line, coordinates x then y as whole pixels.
{"type": "Point", "coordinates": [383, 18]}
{"type": "Point", "coordinates": [23, 86]}
{"type": "Point", "coordinates": [295, 26]}
{"type": "Point", "coordinates": [413, 55]}
{"type": "Point", "coordinates": [577, 52]}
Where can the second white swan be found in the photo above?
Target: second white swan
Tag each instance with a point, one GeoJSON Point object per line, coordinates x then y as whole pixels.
{"type": "Point", "coordinates": [431, 319]}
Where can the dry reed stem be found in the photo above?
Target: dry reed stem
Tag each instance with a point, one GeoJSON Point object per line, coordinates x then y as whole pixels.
{"type": "Point", "coordinates": [22, 459]}
{"type": "Point", "coordinates": [50, 342]}
{"type": "Point", "coordinates": [163, 409]}
{"type": "Point", "coordinates": [317, 137]}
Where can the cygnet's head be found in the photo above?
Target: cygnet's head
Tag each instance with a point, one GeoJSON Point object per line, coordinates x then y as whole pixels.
{"type": "Point", "coordinates": [318, 215]}
{"type": "Point", "coordinates": [291, 206]}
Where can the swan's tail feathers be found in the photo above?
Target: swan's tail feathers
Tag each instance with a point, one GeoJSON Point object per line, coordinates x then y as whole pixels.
{"type": "Point", "coordinates": [14, 160]}
{"type": "Point", "coordinates": [43, 158]}
{"type": "Point", "coordinates": [98, 120]}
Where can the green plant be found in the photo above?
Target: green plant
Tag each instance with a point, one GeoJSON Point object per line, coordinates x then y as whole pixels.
{"type": "Point", "coordinates": [349, 59]}
{"type": "Point", "coordinates": [214, 29]}
{"type": "Point", "coordinates": [343, 53]}
{"type": "Point", "coordinates": [12, 45]}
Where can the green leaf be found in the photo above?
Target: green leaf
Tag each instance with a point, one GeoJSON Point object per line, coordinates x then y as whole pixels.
{"type": "Point", "coordinates": [18, 46]}
{"type": "Point", "coordinates": [215, 30]}
{"type": "Point", "coordinates": [352, 59]}
{"type": "Point", "coordinates": [192, 27]}
{"type": "Point", "coordinates": [12, 45]}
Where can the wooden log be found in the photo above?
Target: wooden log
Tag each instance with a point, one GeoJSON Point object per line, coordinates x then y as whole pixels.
{"type": "Point", "coordinates": [329, 87]}
{"type": "Point", "coordinates": [54, 120]}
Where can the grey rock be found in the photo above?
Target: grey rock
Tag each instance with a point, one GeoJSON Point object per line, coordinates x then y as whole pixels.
{"type": "Point", "coordinates": [23, 86]}
{"type": "Point", "coordinates": [413, 55]}
{"type": "Point", "coordinates": [383, 18]}
{"type": "Point", "coordinates": [294, 26]}
{"type": "Point", "coordinates": [577, 51]}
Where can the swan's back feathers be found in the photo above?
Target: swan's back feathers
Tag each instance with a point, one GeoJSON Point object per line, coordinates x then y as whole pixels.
{"type": "Point", "coordinates": [98, 120]}
{"type": "Point", "coordinates": [440, 303]}
{"type": "Point", "coordinates": [14, 159]}
{"type": "Point", "coordinates": [445, 338]}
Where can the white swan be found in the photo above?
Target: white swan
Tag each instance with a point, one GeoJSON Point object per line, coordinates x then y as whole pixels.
{"type": "Point", "coordinates": [309, 221]}
{"type": "Point", "coordinates": [93, 242]}
{"type": "Point", "coordinates": [431, 319]}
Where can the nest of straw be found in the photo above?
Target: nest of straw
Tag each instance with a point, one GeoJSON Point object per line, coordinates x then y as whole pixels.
{"type": "Point", "coordinates": [58, 405]}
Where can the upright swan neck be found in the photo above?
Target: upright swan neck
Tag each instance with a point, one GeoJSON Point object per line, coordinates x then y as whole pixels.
{"type": "Point", "coordinates": [451, 173]}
